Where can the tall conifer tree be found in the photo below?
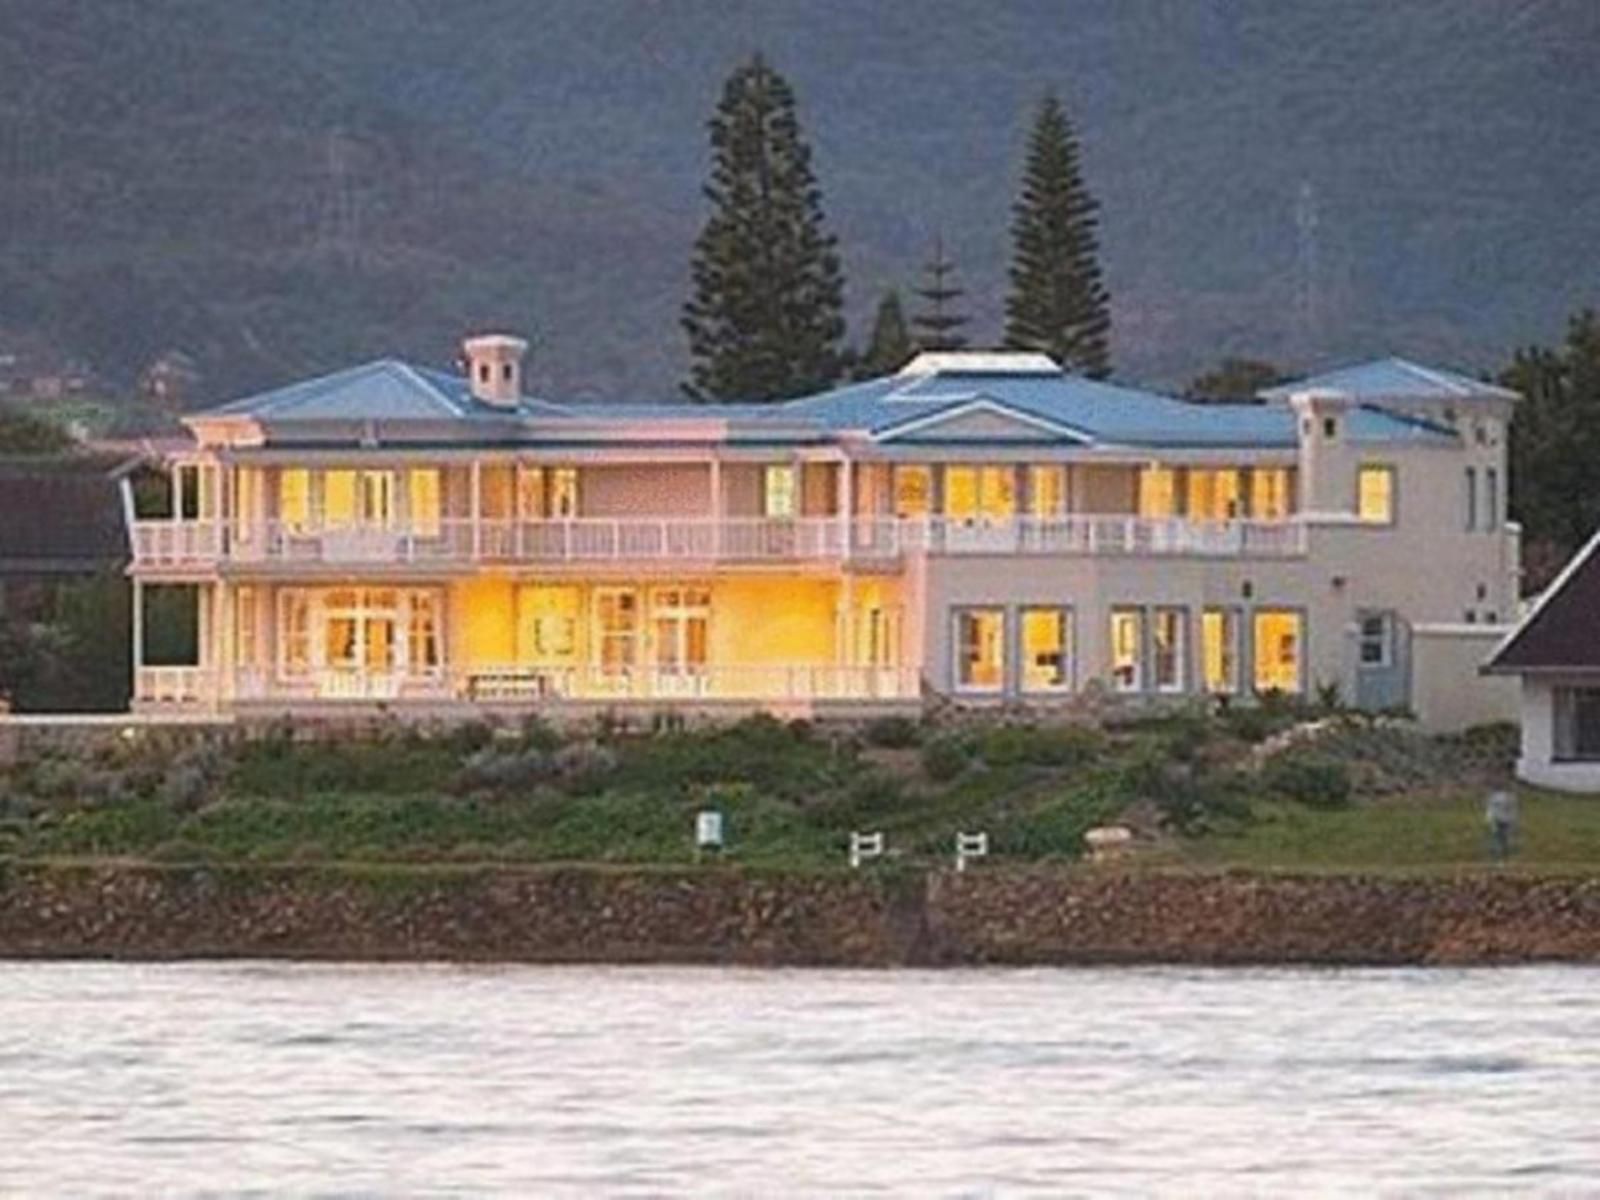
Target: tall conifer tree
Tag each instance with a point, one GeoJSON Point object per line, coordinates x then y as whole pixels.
{"type": "Point", "coordinates": [765, 320]}
{"type": "Point", "coordinates": [1058, 302]}
{"type": "Point", "coordinates": [891, 347]}
{"type": "Point", "coordinates": [938, 327]}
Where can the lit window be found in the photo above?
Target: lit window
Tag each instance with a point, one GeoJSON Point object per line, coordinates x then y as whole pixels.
{"type": "Point", "coordinates": [245, 631]}
{"type": "Point", "coordinates": [1046, 649]}
{"type": "Point", "coordinates": [423, 488]}
{"type": "Point", "coordinates": [1127, 656]}
{"type": "Point", "coordinates": [530, 493]}
{"type": "Point", "coordinates": [1213, 495]}
{"type": "Point", "coordinates": [1375, 495]}
{"type": "Point", "coordinates": [422, 633]}
{"type": "Point", "coordinates": [1047, 490]}
{"type": "Point", "coordinates": [1472, 498]}
{"type": "Point", "coordinates": [1269, 493]}
{"type": "Point", "coordinates": [564, 492]}
{"type": "Point", "coordinates": [778, 490]}
{"type": "Point", "coordinates": [980, 649]}
{"type": "Point", "coordinates": [980, 492]}
{"type": "Point", "coordinates": [1167, 649]}
{"type": "Point", "coordinates": [294, 498]}
{"type": "Point", "coordinates": [913, 491]}
{"type": "Point", "coordinates": [376, 494]}
{"type": "Point", "coordinates": [1376, 640]}
{"type": "Point", "coordinates": [1277, 639]}
{"type": "Point", "coordinates": [1219, 650]}
{"type": "Point", "coordinates": [339, 497]}
{"type": "Point", "coordinates": [1158, 492]}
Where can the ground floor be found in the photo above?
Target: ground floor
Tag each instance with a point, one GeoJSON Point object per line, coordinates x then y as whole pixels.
{"type": "Point", "coordinates": [498, 639]}
{"type": "Point", "coordinates": [1561, 732]}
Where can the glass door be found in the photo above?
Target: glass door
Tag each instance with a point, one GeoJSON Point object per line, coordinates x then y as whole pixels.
{"type": "Point", "coordinates": [682, 618]}
{"type": "Point", "coordinates": [617, 622]}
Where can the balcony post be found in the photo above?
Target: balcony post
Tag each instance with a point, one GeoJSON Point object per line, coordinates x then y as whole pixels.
{"type": "Point", "coordinates": [716, 506]}
{"type": "Point", "coordinates": [477, 509]}
{"type": "Point", "coordinates": [138, 633]}
{"type": "Point", "coordinates": [846, 505]}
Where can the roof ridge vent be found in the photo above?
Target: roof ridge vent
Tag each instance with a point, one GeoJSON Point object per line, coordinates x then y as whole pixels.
{"type": "Point", "coordinates": [981, 362]}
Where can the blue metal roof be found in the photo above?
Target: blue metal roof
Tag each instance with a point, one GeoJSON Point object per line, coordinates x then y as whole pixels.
{"type": "Point", "coordinates": [1395, 379]}
{"type": "Point", "coordinates": [1080, 410]}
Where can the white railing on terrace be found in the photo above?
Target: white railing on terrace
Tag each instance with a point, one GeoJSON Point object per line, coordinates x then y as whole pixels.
{"type": "Point", "coordinates": [185, 686]}
{"type": "Point", "coordinates": [689, 539]}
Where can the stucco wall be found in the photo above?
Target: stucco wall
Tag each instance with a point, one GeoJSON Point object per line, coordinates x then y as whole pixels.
{"type": "Point", "coordinates": [1537, 763]}
{"type": "Point", "coordinates": [1448, 693]}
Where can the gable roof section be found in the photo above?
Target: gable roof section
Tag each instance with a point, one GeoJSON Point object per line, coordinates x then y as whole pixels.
{"type": "Point", "coordinates": [1394, 379]}
{"type": "Point", "coordinates": [385, 390]}
{"type": "Point", "coordinates": [1562, 632]}
{"type": "Point", "coordinates": [979, 419]}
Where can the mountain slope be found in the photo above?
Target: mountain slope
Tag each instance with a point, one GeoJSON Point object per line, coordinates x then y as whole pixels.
{"type": "Point", "coordinates": [283, 187]}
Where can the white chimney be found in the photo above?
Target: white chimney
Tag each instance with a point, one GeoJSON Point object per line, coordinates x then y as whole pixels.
{"type": "Point", "coordinates": [494, 368]}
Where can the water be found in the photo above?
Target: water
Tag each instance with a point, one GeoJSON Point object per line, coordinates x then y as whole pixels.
{"type": "Point", "coordinates": [194, 1078]}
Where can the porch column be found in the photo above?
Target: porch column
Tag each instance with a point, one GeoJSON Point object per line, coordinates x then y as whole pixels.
{"type": "Point", "coordinates": [477, 509]}
{"type": "Point", "coordinates": [223, 628]}
{"type": "Point", "coordinates": [846, 505]}
{"type": "Point", "coordinates": [716, 506]}
{"type": "Point", "coordinates": [138, 633]}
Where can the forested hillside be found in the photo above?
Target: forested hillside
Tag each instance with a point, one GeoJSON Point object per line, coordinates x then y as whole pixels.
{"type": "Point", "coordinates": [281, 187]}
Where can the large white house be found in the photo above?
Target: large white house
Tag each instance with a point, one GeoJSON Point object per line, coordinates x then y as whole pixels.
{"type": "Point", "coordinates": [980, 526]}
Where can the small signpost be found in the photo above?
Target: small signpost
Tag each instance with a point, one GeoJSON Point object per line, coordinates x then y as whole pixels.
{"type": "Point", "coordinates": [708, 832]}
{"type": "Point", "coordinates": [864, 846]}
{"type": "Point", "coordinates": [970, 845]}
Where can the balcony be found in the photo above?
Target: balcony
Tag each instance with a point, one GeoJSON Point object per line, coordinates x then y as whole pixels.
{"type": "Point", "coordinates": [204, 543]}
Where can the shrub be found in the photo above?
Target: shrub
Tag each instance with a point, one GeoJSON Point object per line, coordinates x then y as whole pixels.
{"type": "Point", "coordinates": [1036, 745]}
{"type": "Point", "coordinates": [892, 733]}
{"type": "Point", "coordinates": [945, 758]}
{"type": "Point", "coordinates": [503, 770]}
{"type": "Point", "coordinates": [1315, 780]}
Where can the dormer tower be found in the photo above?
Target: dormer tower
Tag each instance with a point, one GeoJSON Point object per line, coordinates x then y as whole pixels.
{"type": "Point", "coordinates": [1328, 461]}
{"type": "Point", "coordinates": [494, 368]}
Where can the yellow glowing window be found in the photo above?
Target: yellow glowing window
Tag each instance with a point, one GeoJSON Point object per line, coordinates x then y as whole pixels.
{"type": "Point", "coordinates": [1278, 650]}
{"type": "Point", "coordinates": [1127, 650]}
{"type": "Point", "coordinates": [1375, 495]}
{"type": "Point", "coordinates": [997, 491]}
{"type": "Point", "coordinates": [530, 493]}
{"type": "Point", "coordinates": [564, 492]}
{"type": "Point", "coordinates": [376, 492]}
{"type": "Point", "coordinates": [423, 489]}
{"type": "Point", "coordinates": [1213, 495]}
{"type": "Point", "coordinates": [1158, 492]}
{"type": "Point", "coordinates": [1269, 493]}
{"type": "Point", "coordinates": [913, 491]}
{"type": "Point", "coordinates": [961, 492]}
{"type": "Point", "coordinates": [980, 649]}
{"type": "Point", "coordinates": [1046, 649]}
{"type": "Point", "coordinates": [422, 632]}
{"type": "Point", "coordinates": [1047, 490]}
{"type": "Point", "coordinates": [339, 497]}
{"type": "Point", "coordinates": [1168, 649]}
{"type": "Point", "coordinates": [294, 497]}
{"type": "Point", "coordinates": [1219, 650]}
{"type": "Point", "coordinates": [778, 490]}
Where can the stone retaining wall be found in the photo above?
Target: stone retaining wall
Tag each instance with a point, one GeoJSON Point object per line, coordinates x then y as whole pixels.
{"type": "Point", "coordinates": [580, 914]}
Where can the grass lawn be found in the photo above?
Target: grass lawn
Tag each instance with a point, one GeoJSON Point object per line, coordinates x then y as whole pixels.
{"type": "Point", "coordinates": [1405, 833]}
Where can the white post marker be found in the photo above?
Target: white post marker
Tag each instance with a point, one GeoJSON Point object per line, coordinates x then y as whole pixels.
{"type": "Point", "coordinates": [970, 845]}
{"type": "Point", "coordinates": [708, 831]}
{"type": "Point", "coordinates": [864, 846]}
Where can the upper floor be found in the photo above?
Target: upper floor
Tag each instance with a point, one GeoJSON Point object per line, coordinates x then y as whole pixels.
{"type": "Point", "coordinates": [395, 466]}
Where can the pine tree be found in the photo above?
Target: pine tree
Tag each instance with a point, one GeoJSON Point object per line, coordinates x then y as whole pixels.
{"type": "Point", "coordinates": [891, 346]}
{"type": "Point", "coordinates": [765, 320]}
{"type": "Point", "coordinates": [1058, 302]}
{"type": "Point", "coordinates": [936, 328]}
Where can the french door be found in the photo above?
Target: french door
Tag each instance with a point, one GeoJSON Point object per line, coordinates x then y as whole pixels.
{"type": "Point", "coordinates": [681, 619]}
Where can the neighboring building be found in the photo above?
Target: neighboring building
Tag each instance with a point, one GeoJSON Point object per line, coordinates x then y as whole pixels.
{"type": "Point", "coordinates": [1555, 652]}
{"type": "Point", "coordinates": [979, 526]}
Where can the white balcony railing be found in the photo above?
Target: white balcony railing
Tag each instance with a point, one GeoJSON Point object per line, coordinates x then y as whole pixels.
{"type": "Point", "coordinates": [690, 539]}
{"type": "Point", "coordinates": [195, 686]}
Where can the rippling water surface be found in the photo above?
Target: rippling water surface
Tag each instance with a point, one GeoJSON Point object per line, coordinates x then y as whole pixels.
{"type": "Point", "coordinates": [541, 1081]}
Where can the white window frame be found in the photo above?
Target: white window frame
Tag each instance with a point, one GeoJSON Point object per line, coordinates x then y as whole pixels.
{"type": "Point", "coordinates": [1383, 638]}
{"type": "Point", "coordinates": [780, 491]}
{"type": "Point", "coordinates": [958, 649]}
{"type": "Point", "coordinates": [1391, 515]}
{"type": "Point", "coordinates": [1136, 682]}
{"type": "Point", "coordinates": [1069, 656]}
{"type": "Point", "coordinates": [1180, 649]}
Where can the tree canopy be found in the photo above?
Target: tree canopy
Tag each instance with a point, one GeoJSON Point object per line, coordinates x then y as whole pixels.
{"type": "Point", "coordinates": [765, 319]}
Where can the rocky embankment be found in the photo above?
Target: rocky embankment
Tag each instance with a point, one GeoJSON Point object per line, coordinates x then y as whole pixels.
{"type": "Point", "coordinates": [582, 914]}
